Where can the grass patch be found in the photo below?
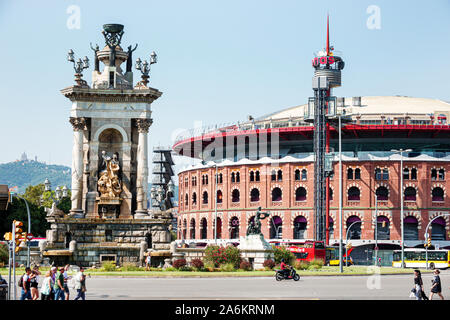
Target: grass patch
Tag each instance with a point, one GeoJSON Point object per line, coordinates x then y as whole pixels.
{"type": "Point", "coordinates": [171, 272]}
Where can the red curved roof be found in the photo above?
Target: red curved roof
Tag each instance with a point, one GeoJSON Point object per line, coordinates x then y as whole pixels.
{"type": "Point", "coordinates": [306, 132]}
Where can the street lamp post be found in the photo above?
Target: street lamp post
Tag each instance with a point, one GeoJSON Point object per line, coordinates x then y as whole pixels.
{"type": "Point", "coordinates": [376, 228]}
{"type": "Point", "coordinates": [341, 267]}
{"type": "Point", "coordinates": [347, 118]}
{"type": "Point", "coordinates": [426, 235]}
{"type": "Point", "coordinates": [346, 242]}
{"type": "Point", "coordinates": [29, 228]}
{"type": "Point", "coordinates": [215, 206]}
{"type": "Point", "coordinates": [401, 201]}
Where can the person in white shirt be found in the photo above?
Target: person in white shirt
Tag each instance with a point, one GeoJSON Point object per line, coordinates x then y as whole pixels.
{"type": "Point", "coordinates": [47, 285]}
{"type": "Point", "coordinates": [80, 284]}
{"type": "Point", "coordinates": [66, 278]}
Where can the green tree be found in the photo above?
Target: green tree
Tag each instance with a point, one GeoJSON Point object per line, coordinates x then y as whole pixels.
{"type": "Point", "coordinates": [39, 197]}
{"type": "Point", "coordinates": [33, 194]}
{"type": "Point", "coordinates": [17, 210]}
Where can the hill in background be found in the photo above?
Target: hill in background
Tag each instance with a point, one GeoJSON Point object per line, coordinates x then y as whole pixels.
{"type": "Point", "coordinates": [28, 172]}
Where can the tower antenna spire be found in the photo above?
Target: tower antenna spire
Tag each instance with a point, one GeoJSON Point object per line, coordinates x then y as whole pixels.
{"type": "Point", "coordinates": [328, 35]}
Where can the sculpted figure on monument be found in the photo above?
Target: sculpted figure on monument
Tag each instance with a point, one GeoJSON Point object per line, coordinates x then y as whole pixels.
{"type": "Point", "coordinates": [109, 184]}
{"type": "Point", "coordinates": [255, 226]}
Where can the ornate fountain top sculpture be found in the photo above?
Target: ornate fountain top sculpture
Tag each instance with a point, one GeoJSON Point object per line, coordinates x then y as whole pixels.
{"type": "Point", "coordinates": [109, 184]}
{"type": "Point", "coordinates": [255, 226]}
{"type": "Point", "coordinates": [113, 35]}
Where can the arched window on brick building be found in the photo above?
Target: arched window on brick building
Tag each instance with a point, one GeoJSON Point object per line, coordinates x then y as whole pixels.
{"type": "Point", "coordinates": [234, 228]}
{"type": "Point", "coordinates": [300, 224]}
{"type": "Point", "coordinates": [438, 229]}
{"type": "Point", "coordinates": [437, 194]}
{"type": "Point", "coordinates": [300, 194]}
{"type": "Point", "coordinates": [411, 228]}
{"type": "Point", "coordinates": [280, 175]}
{"type": "Point", "coordinates": [297, 175]}
{"type": "Point", "coordinates": [219, 228]}
{"type": "Point", "coordinates": [184, 228]}
{"type": "Point", "coordinates": [304, 175]}
{"type": "Point", "coordinates": [192, 229]}
{"type": "Point", "coordinates": [383, 231]}
{"type": "Point", "coordinates": [205, 197]}
{"type": "Point", "coordinates": [382, 193]}
{"type": "Point", "coordinates": [353, 194]}
{"type": "Point", "coordinates": [349, 174]}
{"type": "Point", "coordinates": [194, 198]}
{"type": "Point", "coordinates": [354, 223]}
{"type": "Point", "coordinates": [410, 194]}
{"type": "Point", "coordinates": [357, 174]}
{"type": "Point", "coordinates": [254, 195]}
{"type": "Point", "coordinates": [204, 228]}
{"type": "Point", "coordinates": [219, 196]}
{"type": "Point", "coordinates": [413, 174]}
{"type": "Point", "coordinates": [277, 194]}
{"type": "Point", "coordinates": [276, 228]}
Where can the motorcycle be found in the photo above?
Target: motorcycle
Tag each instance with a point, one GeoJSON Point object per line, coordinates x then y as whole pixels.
{"type": "Point", "coordinates": [280, 275]}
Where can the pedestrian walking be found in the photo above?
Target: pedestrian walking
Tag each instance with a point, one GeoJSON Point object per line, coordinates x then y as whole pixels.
{"type": "Point", "coordinates": [148, 262]}
{"type": "Point", "coordinates": [66, 278]}
{"type": "Point", "coordinates": [80, 284]}
{"type": "Point", "coordinates": [59, 285]}
{"type": "Point", "coordinates": [53, 272]}
{"type": "Point", "coordinates": [418, 286]}
{"type": "Point", "coordinates": [436, 285]}
{"type": "Point", "coordinates": [34, 282]}
{"type": "Point", "coordinates": [46, 288]}
{"type": "Point", "coordinates": [24, 282]}
{"type": "Point", "coordinates": [35, 273]}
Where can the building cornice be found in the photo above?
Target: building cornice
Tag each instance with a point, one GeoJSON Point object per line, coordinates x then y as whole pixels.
{"type": "Point", "coordinates": [75, 93]}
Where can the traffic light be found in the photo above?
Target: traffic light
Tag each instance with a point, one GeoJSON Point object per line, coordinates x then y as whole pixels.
{"type": "Point", "coordinates": [8, 236]}
{"type": "Point", "coordinates": [18, 234]}
{"type": "Point", "coordinates": [429, 242]}
{"type": "Point", "coordinates": [18, 225]}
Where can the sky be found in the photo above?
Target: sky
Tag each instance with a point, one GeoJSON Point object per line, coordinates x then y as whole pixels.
{"type": "Point", "coordinates": [218, 61]}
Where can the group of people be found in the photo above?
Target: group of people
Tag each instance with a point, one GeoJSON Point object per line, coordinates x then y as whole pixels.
{"type": "Point", "coordinates": [54, 285]}
{"type": "Point", "coordinates": [436, 287]}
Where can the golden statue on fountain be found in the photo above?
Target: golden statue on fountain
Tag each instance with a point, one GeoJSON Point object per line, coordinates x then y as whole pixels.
{"type": "Point", "coordinates": [109, 184]}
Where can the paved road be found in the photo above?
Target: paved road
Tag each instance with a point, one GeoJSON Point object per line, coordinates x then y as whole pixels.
{"type": "Point", "coordinates": [336, 287]}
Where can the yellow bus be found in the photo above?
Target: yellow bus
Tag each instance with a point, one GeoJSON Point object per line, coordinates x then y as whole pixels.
{"type": "Point", "coordinates": [415, 258]}
{"type": "Point", "coordinates": [332, 257]}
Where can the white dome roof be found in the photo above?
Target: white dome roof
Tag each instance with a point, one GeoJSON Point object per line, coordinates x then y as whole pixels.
{"type": "Point", "coordinates": [386, 105]}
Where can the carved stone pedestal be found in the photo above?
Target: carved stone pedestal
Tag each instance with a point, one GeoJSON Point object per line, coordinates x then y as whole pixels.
{"type": "Point", "coordinates": [255, 249]}
{"type": "Point", "coordinates": [109, 208]}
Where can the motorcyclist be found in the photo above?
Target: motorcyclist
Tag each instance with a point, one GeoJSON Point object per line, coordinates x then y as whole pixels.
{"type": "Point", "coordinates": [285, 268]}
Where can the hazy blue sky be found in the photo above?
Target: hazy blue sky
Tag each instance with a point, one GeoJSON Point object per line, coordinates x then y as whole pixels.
{"type": "Point", "coordinates": [219, 61]}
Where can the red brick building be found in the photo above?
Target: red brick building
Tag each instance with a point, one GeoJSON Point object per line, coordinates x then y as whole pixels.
{"type": "Point", "coordinates": [281, 179]}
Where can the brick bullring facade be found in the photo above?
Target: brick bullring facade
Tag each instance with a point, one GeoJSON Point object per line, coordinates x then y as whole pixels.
{"type": "Point", "coordinates": [268, 162]}
{"type": "Point", "coordinates": [286, 191]}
